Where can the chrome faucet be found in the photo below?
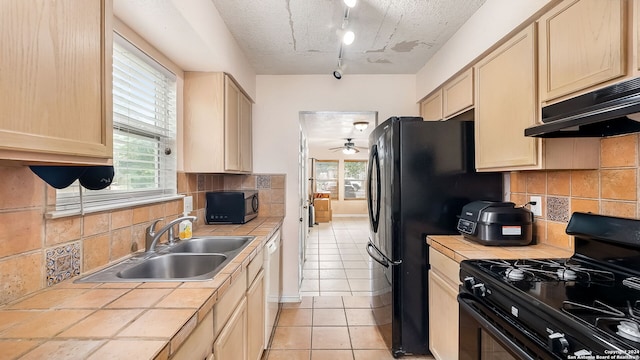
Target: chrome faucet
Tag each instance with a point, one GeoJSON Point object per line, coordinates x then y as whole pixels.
{"type": "Point", "coordinates": [152, 236]}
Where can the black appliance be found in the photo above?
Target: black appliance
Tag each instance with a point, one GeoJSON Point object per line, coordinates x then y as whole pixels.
{"type": "Point", "coordinates": [583, 307]}
{"type": "Point", "coordinates": [496, 223]}
{"type": "Point", "coordinates": [612, 110]}
{"type": "Point", "coordinates": [231, 207]}
{"type": "Point", "coordinates": [420, 175]}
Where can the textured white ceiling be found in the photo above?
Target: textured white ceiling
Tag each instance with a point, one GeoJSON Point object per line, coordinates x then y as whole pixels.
{"type": "Point", "coordinates": [300, 36]}
{"type": "Point", "coordinates": [328, 129]}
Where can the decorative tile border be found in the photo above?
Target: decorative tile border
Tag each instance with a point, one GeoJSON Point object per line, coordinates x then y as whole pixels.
{"type": "Point", "coordinates": [62, 262]}
{"type": "Point", "coordinates": [558, 209]}
{"type": "Point", "coordinates": [263, 182]}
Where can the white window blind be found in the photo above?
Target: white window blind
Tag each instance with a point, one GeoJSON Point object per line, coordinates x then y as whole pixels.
{"type": "Point", "coordinates": [144, 135]}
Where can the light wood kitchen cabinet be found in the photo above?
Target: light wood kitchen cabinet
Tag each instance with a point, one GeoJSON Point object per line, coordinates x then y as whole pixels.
{"type": "Point", "coordinates": [581, 44]}
{"type": "Point", "coordinates": [431, 107]}
{"type": "Point", "coordinates": [217, 124]}
{"type": "Point", "coordinates": [256, 318]}
{"type": "Point", "coordinates": [232, 341]}
{"type": "Point", "coordinates": [443, 293]}
{"type": "Point", "coordinates": [55, 81]}
{"type": "Point", "coordinates": [199, 344]}
{"type": "Point", "coordinates": [506, 103]}
{"type": "Point", "coordinates": [457, 94]}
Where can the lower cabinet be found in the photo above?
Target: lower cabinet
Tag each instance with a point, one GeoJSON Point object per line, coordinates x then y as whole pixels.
{"type": "Point", "coordinates": [255, 318]}
{"type": "Point", "coordinates": [198, 345]}
{"type": "Point", "coordinates": [443, 306]}
{"type": "Point", "coordinates": [232, 341]}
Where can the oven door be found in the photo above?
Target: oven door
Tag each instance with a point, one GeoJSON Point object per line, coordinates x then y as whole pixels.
{"type": "Point", "coordinates": [487, 334]}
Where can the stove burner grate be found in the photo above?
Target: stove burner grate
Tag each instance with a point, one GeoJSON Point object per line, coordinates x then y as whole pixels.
{"type": "Point", "coordinates": [608, 318]}
{"type": "Point", "coordinates": [632, 282]}
{"type": "Point", "coordinates": [548, 270]}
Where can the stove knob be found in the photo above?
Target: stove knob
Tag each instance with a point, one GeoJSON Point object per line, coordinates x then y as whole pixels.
{"type": "Point", "coordinates": [479, 290]}
{"type": "Point", "coordinates": [469, 281]}
{"type": "Point", "coordinates": [558, 343]}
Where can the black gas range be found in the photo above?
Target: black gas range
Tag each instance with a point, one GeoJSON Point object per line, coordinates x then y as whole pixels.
{"type": "Point", "coordinates": [584, 307]}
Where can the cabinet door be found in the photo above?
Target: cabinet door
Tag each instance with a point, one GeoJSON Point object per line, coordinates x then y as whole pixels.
{"type": "Point", "coordinates": [431, 107]}
{"type": "Point", "coordinates": [506, 104]}
{"type": "Point", "coordinates": [198, 344]}
{"type": "Point", "coordinates": [231, 126]}
{"type": "Point", "coordinates": [443, 318]}
{"type": "Point", "coordinates": [232, 341]}
{"type": "Point", "coordinates": [246, 138]}
{"type": "Point", "coordinates": [255, 318]}
{"type": "Point", "coordinates": [55, 80]}
{"type": "Point", "coordinates": [581, 45]}
{"type": "Point", "coordinates": [458, 94]}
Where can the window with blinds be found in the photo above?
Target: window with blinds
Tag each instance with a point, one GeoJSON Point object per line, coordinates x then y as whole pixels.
{"type": "Point", "coordinates": [144, 136]}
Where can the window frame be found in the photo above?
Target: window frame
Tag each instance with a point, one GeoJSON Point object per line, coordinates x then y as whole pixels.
{"type": "Point", "coordinates": [336, 179]}
{"type": "Point", "coordinates": [76, 200]}
{"type": "Point", "coordinates": [364, 180]}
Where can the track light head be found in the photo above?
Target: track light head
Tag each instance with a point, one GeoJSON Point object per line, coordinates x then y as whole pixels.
{"type": "Point", "coordinates": [337, 73]}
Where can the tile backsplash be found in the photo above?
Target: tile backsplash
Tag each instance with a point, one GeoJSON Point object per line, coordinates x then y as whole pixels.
{"type": "Point", "coordinates": [610, 190]}
{"type": "Point", "coordinates": [36, 252]}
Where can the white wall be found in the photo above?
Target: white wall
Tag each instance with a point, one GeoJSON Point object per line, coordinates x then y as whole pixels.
{"type": "Point", "coordinates": [494, 20]}
{"type": "Point", "coordinates": [276, 125]}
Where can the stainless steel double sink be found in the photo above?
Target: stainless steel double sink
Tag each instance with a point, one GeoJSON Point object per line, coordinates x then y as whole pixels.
{"type": "Point", "coordinates": [196, 259]}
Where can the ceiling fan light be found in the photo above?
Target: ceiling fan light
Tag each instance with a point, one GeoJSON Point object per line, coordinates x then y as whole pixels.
{"type": "Point", "coordinates": [361, 125]}
{"type": "Point", "coordinates": [348, 37]}
{"type": "Point", "coordinates": [349, 151]}
{"type": "Point", "coordinates": [350, 3]}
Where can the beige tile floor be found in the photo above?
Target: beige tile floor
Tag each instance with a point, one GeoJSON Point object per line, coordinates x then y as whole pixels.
{"type": "Point", "coordinates": [334, 320]}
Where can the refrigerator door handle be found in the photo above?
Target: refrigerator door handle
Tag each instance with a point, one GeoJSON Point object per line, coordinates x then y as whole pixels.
{"type": "Point", "coordinates": [382, 255]}
{"type": "Point", "coordinates": [374, 165]}
{"type": "Point", "coordinates": [380, 260]}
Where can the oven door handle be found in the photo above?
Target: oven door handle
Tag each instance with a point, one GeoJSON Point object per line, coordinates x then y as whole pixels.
{"type": "Point", "coordinates": [464, 300]}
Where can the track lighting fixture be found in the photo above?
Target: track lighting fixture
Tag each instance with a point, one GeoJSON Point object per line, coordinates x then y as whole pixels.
{"type": "Point", "coordinates": [347, 37]}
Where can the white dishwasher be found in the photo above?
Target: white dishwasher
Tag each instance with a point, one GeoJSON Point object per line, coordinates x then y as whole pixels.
{"type": "Point", "coordinates": [272, 283]}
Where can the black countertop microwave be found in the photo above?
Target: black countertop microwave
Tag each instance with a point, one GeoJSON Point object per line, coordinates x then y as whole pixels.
{"type": "Point", "coordinates": [231, 207]}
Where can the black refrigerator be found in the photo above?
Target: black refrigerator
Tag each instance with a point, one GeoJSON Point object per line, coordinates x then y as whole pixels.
{"type": "Point", "coordinates": [420, 174]}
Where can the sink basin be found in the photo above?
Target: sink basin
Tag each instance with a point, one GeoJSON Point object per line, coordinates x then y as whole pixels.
{"type": "Point", "coordinates": [176, 267]}
{"type": "Point", "coordinates": [212, 244]}
{"type": "Point", "coordinates": [195, 259]}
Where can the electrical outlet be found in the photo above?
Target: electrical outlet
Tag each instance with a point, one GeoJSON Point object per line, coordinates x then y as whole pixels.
{"type": "Point", "coordinates": [188, 204]}
{"type": "Point", "coordinates": [537, 208]}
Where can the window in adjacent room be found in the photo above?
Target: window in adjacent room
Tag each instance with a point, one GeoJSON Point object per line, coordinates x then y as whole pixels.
{"type": "Point", "coordinates": [355, 174]}
{"type": "Point", "coordinates": [144, 135]}
{"type": "Point", "coordinates": [327, 177]}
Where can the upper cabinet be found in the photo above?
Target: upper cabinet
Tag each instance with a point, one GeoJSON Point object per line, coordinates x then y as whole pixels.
{"type": "Point", "coordinates": [217, 124]}
{"type": "Point", "coordinates": [457, 94]}
{"type": "Point", "coordinates": [506, 104]}
{"type": "Point", "coordinates": [581, 44]}
{"type": "Point", "coordinates": [431, 107]}
{"type": "Point", "coordinates": [452, 99]}
{"type": "Point", "coordinates": [55, 81]}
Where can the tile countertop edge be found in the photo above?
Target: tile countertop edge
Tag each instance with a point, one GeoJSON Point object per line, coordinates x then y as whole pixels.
{"type": "Point", "coordinates": [456, 247]}
{"type": "Point", "coordinates": [262, 228]}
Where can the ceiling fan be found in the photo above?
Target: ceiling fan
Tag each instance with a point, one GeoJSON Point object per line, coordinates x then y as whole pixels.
{"type": "Point", "coordinates": [349, 147]}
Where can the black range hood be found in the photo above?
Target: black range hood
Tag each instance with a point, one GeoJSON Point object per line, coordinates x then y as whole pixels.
{"type": "Point", "coordinates": [609, 111]}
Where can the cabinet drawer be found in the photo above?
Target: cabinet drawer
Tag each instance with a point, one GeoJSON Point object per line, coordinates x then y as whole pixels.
{"type": "Point", "coordinates": [445, 266]}
{"type": "Point", "coordinates": [254, 268]}
{"type": "Point", "coordinates": [198, 345]}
